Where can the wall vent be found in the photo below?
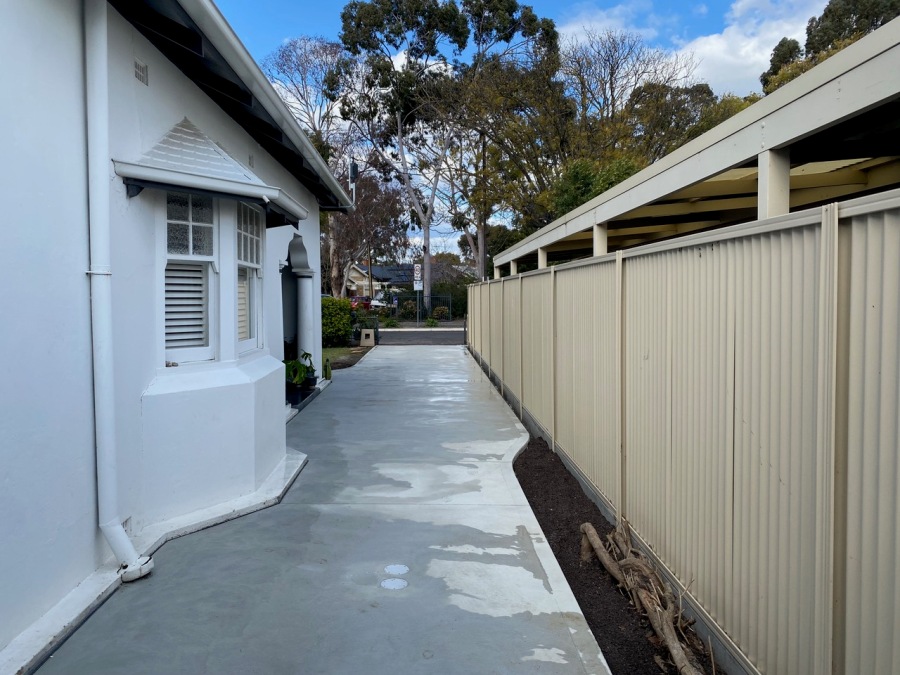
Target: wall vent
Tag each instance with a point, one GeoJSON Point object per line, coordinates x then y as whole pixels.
{"type": "Point", "coordinates": [141, 72]}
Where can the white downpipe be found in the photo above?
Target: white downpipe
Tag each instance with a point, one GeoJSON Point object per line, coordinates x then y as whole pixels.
{"type": "Point", "coordinates": [133, 566]}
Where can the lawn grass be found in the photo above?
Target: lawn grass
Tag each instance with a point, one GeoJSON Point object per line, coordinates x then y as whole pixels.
{"type": "Point", "coordinates": [343, 357]}
{"type": "Point", "coordinates": [334, 352]}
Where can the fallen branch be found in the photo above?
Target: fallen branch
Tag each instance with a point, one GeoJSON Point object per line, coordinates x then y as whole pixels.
{"type": "Point", "coordinates": [649, 593]}
{"type": "Point", "coordinates": [661, 620]}
{"type": "Point", "coordinates": [590, 534]}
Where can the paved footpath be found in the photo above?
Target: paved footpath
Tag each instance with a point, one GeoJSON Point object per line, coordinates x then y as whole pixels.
{"type": "Point", "coordinates": [404, 546]}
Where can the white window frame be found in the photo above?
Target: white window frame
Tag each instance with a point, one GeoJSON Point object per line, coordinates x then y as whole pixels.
{"type": "Point", "coordinates": [249, 255]}
{"type": "Point", "coordinates": [209, 265]}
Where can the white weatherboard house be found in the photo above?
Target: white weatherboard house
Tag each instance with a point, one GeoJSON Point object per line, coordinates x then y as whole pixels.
{"type": "Point", "coordinates": [161, 212]}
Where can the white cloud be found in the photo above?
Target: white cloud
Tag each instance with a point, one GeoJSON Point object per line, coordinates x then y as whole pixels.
{"type": "Point", "coordinates": [731, 61]}
{"type": "Point", "coordinates": [635, 17]}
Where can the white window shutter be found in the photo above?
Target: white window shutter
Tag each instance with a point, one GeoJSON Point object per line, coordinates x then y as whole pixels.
{"type": "Point", "coordinates": [243, 304]}
{"type": "Point", "coordinates": [187, 305]}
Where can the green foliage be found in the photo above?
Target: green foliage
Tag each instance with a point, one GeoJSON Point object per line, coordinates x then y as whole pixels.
{"type": "Point", "coordinates": [662, 117]}
{"type": "Point", "coordinates": [440, 313]}
{"type": "Point", "coordinates": [295, 371]}
{"type": "Point", "coordinates": [458, 292]}
{"type": "Point", "coordinates": [336, 326]}
{"type": "Point", "coordinates": [841, 23]}
{"type": "Point", "coordinates": [408, 309]}
{"type": "Point", "coordinates": [431, 323]}
{"type": "Point", "coordinates": [583, 179]}
{"type": "Point", "coordinates": [842, 20]}
{"type": "Point", "coordinates": [786, 52]}
{"type": "Point", "coordinates": [789, 72]}
{"type": "Point", "coordinates": [794, 70]}
{"type": "Point", "coordinates": [391, 323]}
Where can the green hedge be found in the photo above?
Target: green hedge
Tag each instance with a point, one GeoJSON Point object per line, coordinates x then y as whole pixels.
{"type": "Point", "coordinates": [336, 328]}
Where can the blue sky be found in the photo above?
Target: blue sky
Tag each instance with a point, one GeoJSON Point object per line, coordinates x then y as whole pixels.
{"type": "Point", "coordinates": [731, 41]}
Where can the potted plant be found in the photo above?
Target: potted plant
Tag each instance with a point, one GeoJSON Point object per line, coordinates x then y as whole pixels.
{"type": "Point", "coordinates": [300, 378]}
{"type": "Point", "coordinates": [309, 380]}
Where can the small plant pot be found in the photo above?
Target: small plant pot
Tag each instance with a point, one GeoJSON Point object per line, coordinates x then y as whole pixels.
{"type": "Point", "coordinates": [292, 393]}
{"type": "Point", "coordinates": [309, 383]}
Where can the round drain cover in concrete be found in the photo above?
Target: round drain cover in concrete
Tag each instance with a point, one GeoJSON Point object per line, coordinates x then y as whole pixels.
{"type": "Point", "coordinates": [396, 569]}
{"type": "Point", "coordinates": [394, 584]}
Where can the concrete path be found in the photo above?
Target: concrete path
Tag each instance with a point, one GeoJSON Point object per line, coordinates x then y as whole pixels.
{"type": "Point", "coordinates": [404, 546]}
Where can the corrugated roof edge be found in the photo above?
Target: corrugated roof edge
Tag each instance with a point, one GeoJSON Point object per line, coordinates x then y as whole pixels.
{"type": "Point", "coordinates": [210, 20]}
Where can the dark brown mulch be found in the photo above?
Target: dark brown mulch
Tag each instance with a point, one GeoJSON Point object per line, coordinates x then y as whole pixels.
{"type": "Point", "coordinates": [561, 506]}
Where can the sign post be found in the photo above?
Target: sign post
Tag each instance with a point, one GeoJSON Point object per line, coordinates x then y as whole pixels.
{"type": "Point", "coordinates": [417, 287]}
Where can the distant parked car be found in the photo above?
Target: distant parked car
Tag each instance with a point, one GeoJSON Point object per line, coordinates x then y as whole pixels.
{"type": "Point", "coordinates": [377, 304]}
{"type": "Point", "coordinates": [363, 301]}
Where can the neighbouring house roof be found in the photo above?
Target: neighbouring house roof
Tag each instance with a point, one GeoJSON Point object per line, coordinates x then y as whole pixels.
{"type": "Point", "coordinates": [186, 158]}
{"type": "Point", "coordinates": [840, 123]}
{"type": "Point", "coordinates": [391, 274]}
{"type": "Point", "coordinates": [195, 37]}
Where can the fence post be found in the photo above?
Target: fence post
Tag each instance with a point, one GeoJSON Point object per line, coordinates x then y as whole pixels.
{"type": "Point", "coordinates": [553, 359]}
{"type": "Point", "coordinates": [620, 383]}
{"type": "Point", "coordinates": [503, 338]}
{"type": "Point", "coordinates": [521, 352]}
{"type": "Point", "coordinates": [828, 642]}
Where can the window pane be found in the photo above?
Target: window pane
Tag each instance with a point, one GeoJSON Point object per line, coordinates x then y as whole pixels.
{"type": "Point", "coordinates": [201, 209]}
{"type": "Point", "coordinates": [176, 206]}
{"type": "Point", "coordinates": [202, 240]}
{"type": "Point", "coordinates": [178, 238]}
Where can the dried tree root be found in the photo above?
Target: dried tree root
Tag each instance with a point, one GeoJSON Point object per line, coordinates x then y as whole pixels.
{"type": "Point", "coordinates": [647, 589]}
{"type": "Point", "coordinates": [661, 620]}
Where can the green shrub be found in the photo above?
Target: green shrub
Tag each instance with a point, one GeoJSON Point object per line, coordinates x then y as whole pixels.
{"type": "Point", "coordinates": [431, 323]}
{"type": "Point", "coordinates": [408, 309]}
{"type": "Point", "coordinates": [441, 313]}
{"type": "Point", "coordinates": [336, 327]}
{"type": "Point", "coordinates": [391, 323]}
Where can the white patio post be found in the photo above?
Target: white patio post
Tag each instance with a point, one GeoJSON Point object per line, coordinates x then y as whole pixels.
{"type": "Point", "coordinates": [513, 268]}
{"type": "Point", "coordinates": [774, 191]}
{"type": "Point", "coordinates": [542, 258]}
{"type": "Point", "coordinates": [600, 239]}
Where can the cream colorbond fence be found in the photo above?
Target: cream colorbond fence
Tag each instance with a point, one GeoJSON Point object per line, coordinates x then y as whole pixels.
{"type": "Point", "coordinates": [735, 396]}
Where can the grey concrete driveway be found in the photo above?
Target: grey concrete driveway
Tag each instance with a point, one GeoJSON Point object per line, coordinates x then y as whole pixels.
{"type": "Point", "coordinates": [404, 546]}
{"type": "Point", "coordinates": [392, 337]}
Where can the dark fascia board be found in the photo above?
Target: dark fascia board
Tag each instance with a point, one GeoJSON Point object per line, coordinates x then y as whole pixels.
{"type": "Point", "coordinates": [169, 28]}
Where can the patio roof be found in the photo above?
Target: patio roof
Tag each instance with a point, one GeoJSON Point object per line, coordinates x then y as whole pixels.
{"type": "Point", "coordinates": [839, 125]}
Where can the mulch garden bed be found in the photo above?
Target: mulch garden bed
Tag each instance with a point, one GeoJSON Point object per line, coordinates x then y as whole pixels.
{"type": "Point", "coordinates": [561, 506]}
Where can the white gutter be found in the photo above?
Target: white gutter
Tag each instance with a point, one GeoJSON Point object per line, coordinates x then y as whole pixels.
{"type": "Point", "coordinates": [132, 566]}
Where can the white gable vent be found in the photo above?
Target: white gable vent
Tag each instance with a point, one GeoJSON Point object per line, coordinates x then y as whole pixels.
{"type": "Point", "coordinates": [141, 72]}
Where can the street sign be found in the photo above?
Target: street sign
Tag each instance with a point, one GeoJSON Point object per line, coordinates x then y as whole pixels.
{"type": "Point", "coordinates": [418, 285]}
{"type": "Point", "coordinates": [417, 273]}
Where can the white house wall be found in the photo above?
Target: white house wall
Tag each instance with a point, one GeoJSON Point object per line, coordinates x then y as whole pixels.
{"type": "Point", "coordinates": [50, 540]}
{"type": "Point", "coordinates": [188, 437]}
{"type": "Point", "coordinates": [175, 461]}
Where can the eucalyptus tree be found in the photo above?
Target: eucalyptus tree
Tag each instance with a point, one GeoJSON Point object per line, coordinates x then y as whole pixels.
{"type": "Point", "coordinates": [420, 98]}
{"type": "Point", "coordinates": [298, 69]}
{"type": "Point", "coordinates": [403, 47]}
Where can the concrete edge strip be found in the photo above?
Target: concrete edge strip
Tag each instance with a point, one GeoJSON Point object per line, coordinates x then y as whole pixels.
{"type": "Point", "coordinates": [28, 651]}
{"type": "Point", "coordinates": [580, 633]}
